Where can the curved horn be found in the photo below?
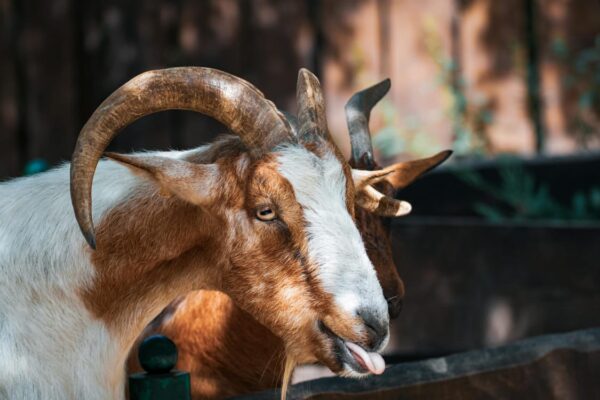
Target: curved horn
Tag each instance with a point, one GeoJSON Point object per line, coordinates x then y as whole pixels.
{"type": "Point", "coordinates": [311, 108]}
{"type": "Point", "coordinates": [230, 100]}
{"type": "Point", "coordinates": [358, 112]}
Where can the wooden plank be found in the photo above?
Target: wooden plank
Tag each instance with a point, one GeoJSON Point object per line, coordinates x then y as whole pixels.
{"type": "Point", "coordinates": [118, 41]}
{"type": "Point", "coordinates": [563, 366]}
{"type": "Point", "coordinates": [264, 42]}
{"type": "Point", "coordinates": [46, 50]}
{"type": "Point", "coordinates": [209, 33]}
{"type": "Point", "coordinates": [257, 41]}
{"type": "Point", "coordinates": [9, 105]}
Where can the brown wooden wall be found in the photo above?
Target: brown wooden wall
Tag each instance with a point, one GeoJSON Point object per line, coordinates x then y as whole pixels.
{"type": "Point", "coordinates": [59, 59]}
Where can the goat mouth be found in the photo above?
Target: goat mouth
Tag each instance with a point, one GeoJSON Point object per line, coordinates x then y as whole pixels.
{"type": "Point", "coordinates": [352, 358]}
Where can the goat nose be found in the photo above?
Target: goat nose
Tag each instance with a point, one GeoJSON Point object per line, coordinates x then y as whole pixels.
{"type": "Point", "coordinates": [395, 305]}
{"type": "Point", "coordinates": [377, 327]}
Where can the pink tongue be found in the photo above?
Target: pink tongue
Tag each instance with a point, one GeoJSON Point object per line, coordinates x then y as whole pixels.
{"type": "Point", "coordinates": [372, 361]}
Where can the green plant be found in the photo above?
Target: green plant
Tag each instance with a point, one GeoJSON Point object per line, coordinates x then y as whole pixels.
{"type": "Point", "coordinates": [524, 198]}
{"type": "Point", "coordinates": [470, 116]}
{"type": "Point", "coordinates": [581, 82]}
{"type": "Point", "coordinates": [409, 136]}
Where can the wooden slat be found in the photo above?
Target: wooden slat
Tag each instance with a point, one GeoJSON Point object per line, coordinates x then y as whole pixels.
{"type": "Point", "coordinates": [118, 41]}
{"type": "Point", "coordinates": [46, 49]}
{"type": "Point", "coordinates": [9, 107]}
{"type": "Point", "coordinates": [261, 42]}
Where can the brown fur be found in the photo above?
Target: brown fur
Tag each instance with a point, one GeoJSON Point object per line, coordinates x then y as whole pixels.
{"type": "Point", "coordinates": [183, 243]}
{"type": "Point", "coordinates": [227, 351]}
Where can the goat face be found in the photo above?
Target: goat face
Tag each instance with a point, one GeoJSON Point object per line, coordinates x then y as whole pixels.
{"type": "Point", "coordinates": [294, 257]}
{"type": "Point", "coordinates": [278, 215]}
{"type": "Point", "coordinates": [289, 251]}
{"type": "Point", "coordinates": [305, 274]}
{"type": "Point", "coordinates": [203, 321]}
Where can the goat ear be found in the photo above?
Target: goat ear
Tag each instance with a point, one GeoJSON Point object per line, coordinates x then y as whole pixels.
{"type": "Point", "coordinates": [398, 175]}
{"type": "Point", "coordinates": [195, 183]}
{"type": "Point", "coordinates": [403, 174]}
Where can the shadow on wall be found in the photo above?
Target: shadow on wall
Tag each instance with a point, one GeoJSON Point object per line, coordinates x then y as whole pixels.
{"type": "Point", "coordinates": [567, 44]}
{"type": "Point", "coordinates": [58, 65]}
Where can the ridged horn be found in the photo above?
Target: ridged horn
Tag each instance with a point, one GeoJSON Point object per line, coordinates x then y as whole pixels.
{"type": "Point", "coordinates": [312, 117]}
{"type": "Point", "coordinates": [358, 112]}
{"type": "Point", "coordinates": [230, 100]}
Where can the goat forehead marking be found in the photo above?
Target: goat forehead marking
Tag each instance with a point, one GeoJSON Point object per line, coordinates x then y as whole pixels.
{"type": "Point", "coordinates": [334, 243]}
{"type": "Point", "coordinates": [313, 177]}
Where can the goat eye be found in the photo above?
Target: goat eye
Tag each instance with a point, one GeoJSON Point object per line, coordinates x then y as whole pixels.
{"type": "Point", "coordinates": [265, 214]}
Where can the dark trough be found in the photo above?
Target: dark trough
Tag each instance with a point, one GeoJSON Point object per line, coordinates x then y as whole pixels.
{"type": "Point", "coordinates": [471, 284]}
{"type": "Point", "coordinates": [561, 366]}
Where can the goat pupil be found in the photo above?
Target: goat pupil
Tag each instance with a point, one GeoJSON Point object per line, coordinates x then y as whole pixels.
{"type": "Point", "coordinates": [265, 212]}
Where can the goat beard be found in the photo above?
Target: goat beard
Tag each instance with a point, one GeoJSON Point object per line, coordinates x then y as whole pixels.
{"type": "Point", "coordinates": [290, 365]}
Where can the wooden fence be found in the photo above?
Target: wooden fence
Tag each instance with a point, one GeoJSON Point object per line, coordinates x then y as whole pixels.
{"type": "Point", "coordinates": [60, 59]}
{"type": "Point", "coordinates": [506, 76]}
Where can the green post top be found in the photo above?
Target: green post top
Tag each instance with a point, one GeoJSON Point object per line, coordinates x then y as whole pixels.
{"type": "Point", "coordinates": [158, 356]}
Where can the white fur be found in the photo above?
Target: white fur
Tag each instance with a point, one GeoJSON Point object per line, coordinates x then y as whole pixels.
{"type": "Point", "coordinates": [335, 244]}
{"type": "Point", "coordinates": [50, 345]}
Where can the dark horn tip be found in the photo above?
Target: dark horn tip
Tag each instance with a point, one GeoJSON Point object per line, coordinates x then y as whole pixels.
{"type": "Point", "coordinates": [366, 99]}
{"type": "Point", "coordinates": [377, 91]}
{"type": "Point", "coordinates": [447, 154]}
{"type": "Point", "coordinates": [90, 238]}
{"type": "Point", "coordinates": [440, 157]}
{"type": "Point", "coordinates": [386, 83]}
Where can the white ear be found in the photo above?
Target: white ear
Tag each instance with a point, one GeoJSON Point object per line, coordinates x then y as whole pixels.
{"type": "Point", "coordinates": [195, 183]}
{"type": "Point", "coordinates": [399, 176]}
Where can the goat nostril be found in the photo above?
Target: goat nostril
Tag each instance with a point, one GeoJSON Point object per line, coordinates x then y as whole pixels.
{"type": "Point", "coordinates": [371, 329]}
{"type": "Point", "coordinates": [395, 305]}
{"type": "Point", "coordinates": [377, 328]}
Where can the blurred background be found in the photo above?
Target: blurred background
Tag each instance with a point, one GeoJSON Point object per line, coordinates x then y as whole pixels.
{"type": "Point", "coordinates": [503, 243]}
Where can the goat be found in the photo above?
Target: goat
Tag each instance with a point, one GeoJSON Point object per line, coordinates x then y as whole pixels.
{"type": "Point", "coordinates": [228, 352]}
{"type": "Point", "coordinates": [266, 218]}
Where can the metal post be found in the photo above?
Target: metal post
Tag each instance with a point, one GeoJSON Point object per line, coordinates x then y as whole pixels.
{"type": "Point", "coordinates": [158, 356]}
